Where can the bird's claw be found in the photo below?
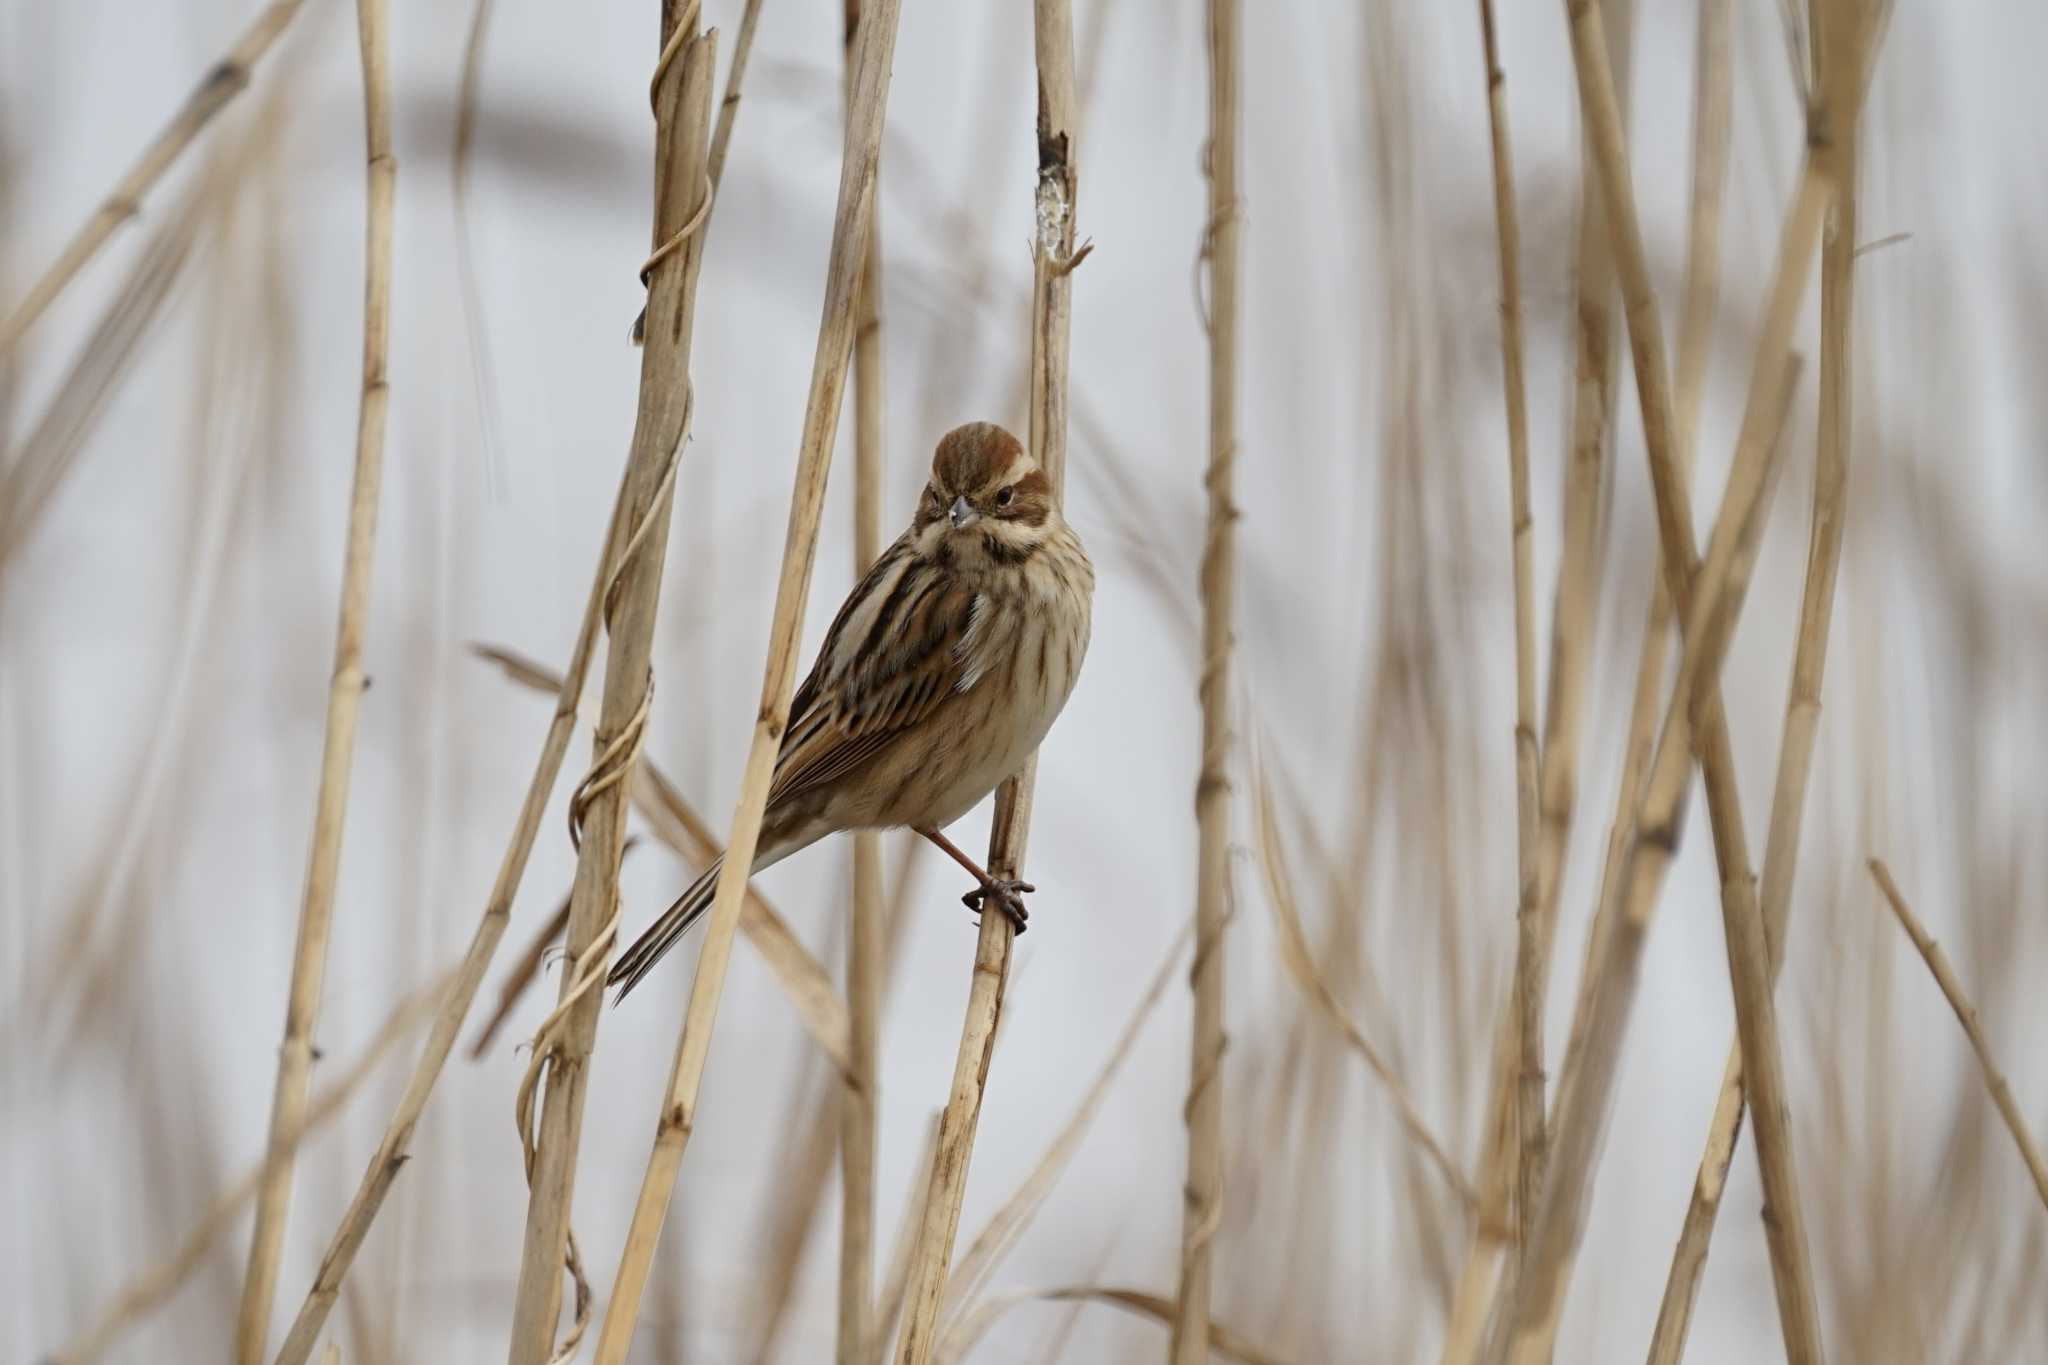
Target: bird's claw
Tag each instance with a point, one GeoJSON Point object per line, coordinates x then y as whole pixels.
{"type": "Point", "coordinates": [1007, 893]}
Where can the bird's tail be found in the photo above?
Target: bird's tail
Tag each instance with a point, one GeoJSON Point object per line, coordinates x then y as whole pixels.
{"type": "Point", "coordinates": [662, 935]}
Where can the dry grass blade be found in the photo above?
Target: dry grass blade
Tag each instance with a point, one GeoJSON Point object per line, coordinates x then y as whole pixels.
{"type": "Point", "coordinates": [1531, 957]}
{"type": "Point", "coordinates": [1202, 1196]}
{"type": "Point", "coordinates": [1299, 959]}
{"type": "Point", "coordinates": [228, 78]}
{"type": "Point", "coordinates": [344, 697]}
{"type": "Point", "coordinates": [1966, 1015]}
{"type": "Point", "coordinates": [1055, 206]}
{"type": "Point", "coordinates": [34, 473]}
{"type": "Point", "coordinates": [1008, 1222]}
{"type": "Point", "coordinates": [682, 88]}
{"type": "Point", "coordinates": [873, 54]}
{"type": "Point", "coordinates": [146, 1292]}
{"type": "Point", "coordinates": [860, 1097]}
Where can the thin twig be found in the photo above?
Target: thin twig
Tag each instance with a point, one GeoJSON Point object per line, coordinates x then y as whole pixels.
{"type": "Point", "coordinates": [228, 78]}
{"type": "Point", "coordinates": [1202, 1197]}
{"type": "Point", "coordinates": [1966, 1015]}
{"type": "Point", "coordinates": [682, 125]}
{"type": "Point", "coordinates": [1531, 967]}
{"type": "Point", "coordinates": [1053, 258]}
{"type": "Point", "coordinates": [873, 54]}
{"type": "Point", "coordinates": [344, 696]}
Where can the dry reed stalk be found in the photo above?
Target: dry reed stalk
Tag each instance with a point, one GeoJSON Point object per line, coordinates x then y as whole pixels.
{"type": "Point", "coordinates": [228, 78]}
{"type": "Point", "coordinates": [873, 52]}
{"type": "Point", "coordinates": [344, 696]}
{"type": "Point", "coordinates": [860, 1097]}
{"type": "Point", "coordinates": [149, 1290]}
{"type": "Point", "coordinates": [1054, 257]}
{"type": "Point", "coordinates": [813, 1124]}
{"type": "Point", "coordinates": [682, 88]}
{"type": "Point", "coordinates": [1571, 642]}
{"type": "Point", "coordinates": [1711, 123]}
{"type": "Point", "coordinates": [1203, 1195]}
{"type": "Point", "coordinates": [1715, 601]}
{"type": "Point", "coordinates": [1966, 1014]}
{"type": "Point", "coordinates": [1531, 968]}
{"type": "Point", "coordinates": [1607, 993]}
{"type": "Point", "coordinates": [903, 1249]}
{"type": "Point", "coordinates": [1802, 707]}
{"type": "Point", "coordinates": [677, 824]}
{"type": "Point", "coordinates": [1007, 1224]}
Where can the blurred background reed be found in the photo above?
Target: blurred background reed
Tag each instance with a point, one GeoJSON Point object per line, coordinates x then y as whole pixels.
{"type": "Point", "coordinates": [179, 431]}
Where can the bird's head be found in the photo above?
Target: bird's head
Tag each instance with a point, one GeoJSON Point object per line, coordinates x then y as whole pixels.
{"type": "Point", "coordinates": [988, 503]}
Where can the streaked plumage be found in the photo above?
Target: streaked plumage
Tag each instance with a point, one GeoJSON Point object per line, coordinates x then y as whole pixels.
{"type": "Point", "coordinates": [946, 666]}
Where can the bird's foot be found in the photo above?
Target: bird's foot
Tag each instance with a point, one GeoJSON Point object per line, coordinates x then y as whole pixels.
{"type": "Point", "coordinates": [1007, 893]}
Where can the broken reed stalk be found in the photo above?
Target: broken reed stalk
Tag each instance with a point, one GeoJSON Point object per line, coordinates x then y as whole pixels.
{"type": "Point", "coordinates": [873, 51]}
{"type": "Point", "coordinates": [1966, 1015]}
{"type": "Point", "coordinates": [1841, 60]}
{"type": "Point", "coordinates": [147, 1291]}
{"type": "Point", "coordinates": [228, 78]}
{"type": "Point", "coordinates": [1530, 966]}
{"type": "Point", "coordinates": [682, 125]}
{"type": "Point", "coordinates": [860, 1097]}
{"type": "Point", "coordinates": [1607, 994]}
{"type": "Point", "coordinates": [1202, 1213]}
{"type": "Point", "coordinates": [344, 697]}
{"type": "Point", "coordinates": [1054, 257]}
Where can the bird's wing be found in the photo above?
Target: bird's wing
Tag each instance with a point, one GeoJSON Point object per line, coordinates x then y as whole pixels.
{"type": "Point", "coordinates": [891, 657]}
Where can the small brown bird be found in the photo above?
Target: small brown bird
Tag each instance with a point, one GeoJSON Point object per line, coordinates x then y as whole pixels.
{"type": "Point", "coordinates": [942, 672]}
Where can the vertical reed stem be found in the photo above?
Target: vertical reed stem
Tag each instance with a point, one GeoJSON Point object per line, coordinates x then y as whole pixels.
{"type": "Point", "coordinates": [344, 698]}
{"type": "Point", "coordinates": [874, 51]}
{"type": "Point", "coordinates": [1053, 261]}
{"type": "Point", "coordinates": [1203, 1195]}
{"type": "Point", "coordinates": [860, 1098]}
{"type": "Point", "coordinates": [682, 99]}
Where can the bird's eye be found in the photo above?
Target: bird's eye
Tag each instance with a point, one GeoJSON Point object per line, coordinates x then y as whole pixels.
{"type": "Point", "coordinates": [1003, 498]}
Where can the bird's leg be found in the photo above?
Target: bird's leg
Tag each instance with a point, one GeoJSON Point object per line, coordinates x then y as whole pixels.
{"type": "Point", "coordinates": [1004, 891]}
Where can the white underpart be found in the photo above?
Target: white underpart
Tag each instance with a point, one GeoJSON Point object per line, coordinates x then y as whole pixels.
{"type": "Point", "coordinates": [971, 649]}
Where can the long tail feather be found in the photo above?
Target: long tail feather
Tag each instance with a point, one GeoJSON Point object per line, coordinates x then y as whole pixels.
{"type": "Point", "coordinates": [638, 960]}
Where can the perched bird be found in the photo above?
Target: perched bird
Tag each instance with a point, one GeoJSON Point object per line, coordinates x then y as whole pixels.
{"type": "Point", "coordinates": [942, 672]}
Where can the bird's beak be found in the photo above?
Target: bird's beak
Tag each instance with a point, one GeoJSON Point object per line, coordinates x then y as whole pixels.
{"type": "Point", "coordinates": [962, 514]}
